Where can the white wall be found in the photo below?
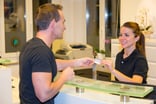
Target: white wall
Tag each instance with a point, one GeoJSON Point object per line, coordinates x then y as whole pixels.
{"type": "Point", "coordinates": [74, 12]}
{"type": "Point", "coordinates": [128, 10]}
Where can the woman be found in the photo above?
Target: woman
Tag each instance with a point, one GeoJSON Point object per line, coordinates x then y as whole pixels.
{"type": "Point", "coordinates": [131, 64]}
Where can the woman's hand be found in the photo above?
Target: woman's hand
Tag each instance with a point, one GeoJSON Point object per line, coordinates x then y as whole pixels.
{"type": "Point", "coordinates": [108, 64]}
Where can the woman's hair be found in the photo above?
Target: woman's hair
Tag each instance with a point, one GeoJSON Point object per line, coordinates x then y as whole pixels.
{"type": "Point", "coordinates": [140, 44]}
{"type": "Point", "coordinates": [45, 14]}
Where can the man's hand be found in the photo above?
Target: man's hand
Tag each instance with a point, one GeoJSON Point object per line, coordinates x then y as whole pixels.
{"type": "Point", "coordinates": [84, 62]}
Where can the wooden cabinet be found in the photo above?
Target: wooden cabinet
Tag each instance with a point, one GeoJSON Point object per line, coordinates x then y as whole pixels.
{"type": "Point", "coordinates": [84, 73]}
{"type": "Point", "coordinates": [150, 45]}
{"type": "Point", "coordinates": [100, 75]}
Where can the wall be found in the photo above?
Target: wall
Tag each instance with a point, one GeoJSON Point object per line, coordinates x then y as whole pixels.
{"type": "Point", "coordinates": [129, 10]}
{"type": "Point", "coordinates": [74, 12]}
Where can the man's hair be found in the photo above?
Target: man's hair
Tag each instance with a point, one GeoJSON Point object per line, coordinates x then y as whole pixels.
{"type": "Point", "coordinates": [45, 14]}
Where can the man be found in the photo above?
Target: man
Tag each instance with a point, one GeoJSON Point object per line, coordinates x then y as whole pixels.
{"type": "Point", "coordinates": [38, 66]}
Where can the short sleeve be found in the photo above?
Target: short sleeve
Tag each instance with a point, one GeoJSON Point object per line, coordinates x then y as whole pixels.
{"type": "Point", "coordinates": [141, 67]}
{"type": "Point", "coordinates": [40, 60]}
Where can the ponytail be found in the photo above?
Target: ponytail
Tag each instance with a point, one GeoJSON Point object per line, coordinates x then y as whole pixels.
{"type": "Point", "coordinates": [140, 44]}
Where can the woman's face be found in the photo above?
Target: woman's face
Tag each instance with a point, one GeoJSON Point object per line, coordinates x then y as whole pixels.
{"type": "Point", "coordinates": [127, 38]}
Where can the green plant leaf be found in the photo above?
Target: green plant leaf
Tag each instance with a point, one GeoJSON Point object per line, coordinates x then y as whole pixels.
{"type": "Point", "coordinates": [148, 27]}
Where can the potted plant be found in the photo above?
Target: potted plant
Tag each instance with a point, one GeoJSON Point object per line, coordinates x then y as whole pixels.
{"type": "Point", "coordinates": [99, 53]}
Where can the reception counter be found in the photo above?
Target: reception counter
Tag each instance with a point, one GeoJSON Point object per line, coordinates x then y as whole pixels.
{"type": "Point", "coordinates": [68, 95]}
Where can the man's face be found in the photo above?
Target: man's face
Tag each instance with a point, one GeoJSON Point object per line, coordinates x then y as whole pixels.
{"type": "Point", "coordinates": [59, 26]}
